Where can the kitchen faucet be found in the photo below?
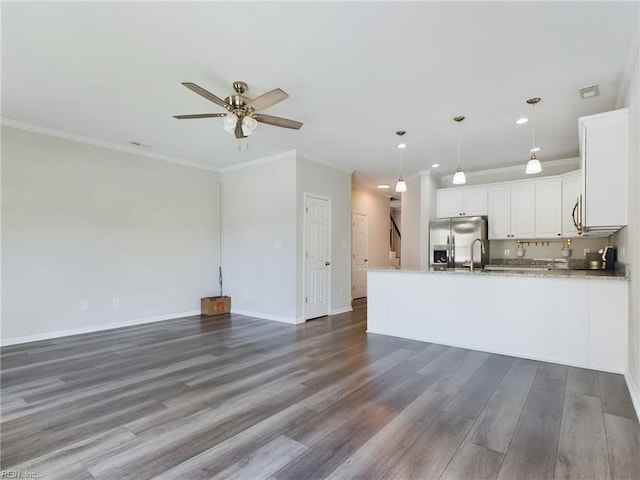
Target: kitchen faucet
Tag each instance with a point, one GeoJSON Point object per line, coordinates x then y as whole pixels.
{"type": "Point", "coordinates": [471, 252]}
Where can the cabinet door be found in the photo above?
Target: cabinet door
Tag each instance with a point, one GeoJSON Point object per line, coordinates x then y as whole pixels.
{"type": "Point", "coordinates": [498, 200]}
{"type": "Point", "coordinates": [448, 203]}
{"type": "Point", "coordinates": [523, 211]}
{"type": "Point", "coordinates": [571, 189]}
{"type": "Point", "coordinates": [604, 156]}
{"type": "Point", "coordinates": [474, 202]}
{"type": "Point", "coordinates": [548, 211]}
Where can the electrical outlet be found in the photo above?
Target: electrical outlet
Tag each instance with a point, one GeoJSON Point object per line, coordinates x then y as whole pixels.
{"type": "Point", "coordinates": [116, 302]}
{"type": "Point", "coordinates": [507, 252]}
{"type": "Point", "coordinates": [84, 306]}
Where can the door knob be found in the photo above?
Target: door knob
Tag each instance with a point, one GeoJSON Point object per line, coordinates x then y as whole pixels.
{"type": "Point", "coordinates": [327, 263]}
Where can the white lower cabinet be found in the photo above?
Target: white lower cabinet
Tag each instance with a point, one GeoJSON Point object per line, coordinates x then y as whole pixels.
{"type": "Point", "coordinates": [608, 323]}
{"type": "Point", "coordinates": [573, 321]}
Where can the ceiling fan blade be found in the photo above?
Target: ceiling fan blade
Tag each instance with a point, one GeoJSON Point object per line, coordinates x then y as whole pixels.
{"type": "Point", "coordinates": [238, 131]}
{"type": "Point", "coordinates": [200, 115]}
{"type": "Point", "coordinates": [277, 121]}
{"type": "Point", "coordinates": [208, 95]}
{"type": "Point", "coordinates": [267, 99]}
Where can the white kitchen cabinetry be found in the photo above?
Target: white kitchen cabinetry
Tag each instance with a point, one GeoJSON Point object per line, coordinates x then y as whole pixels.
{"type": "Point", "coordinates": [604, 156]}
{"type": "Point", "coordinates": [574, 321]}
{"type": "Point", "coordinates": [511, 210]}
{"type": "Point", "coordinates": [461, 202]}
{"type": "Point", "coordinates": [548, 211]}
{"type": "Point", "coordinates": [571, 191]}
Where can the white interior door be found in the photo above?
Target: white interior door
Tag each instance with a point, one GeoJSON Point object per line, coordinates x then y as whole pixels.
{"type": "Point", "coordinates": [317, 221]}
{"type": "Point", "coordinates": [359, 254]}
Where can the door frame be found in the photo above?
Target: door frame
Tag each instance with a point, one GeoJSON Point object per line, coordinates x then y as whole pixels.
{"type": "Point", "coordinates": [306, 196]}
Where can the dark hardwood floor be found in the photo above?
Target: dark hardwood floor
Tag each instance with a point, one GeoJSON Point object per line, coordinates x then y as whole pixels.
{"type": "Point", "coordinates": [239, 397]}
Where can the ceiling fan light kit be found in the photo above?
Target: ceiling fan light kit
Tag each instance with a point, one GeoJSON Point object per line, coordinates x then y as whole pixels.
{"type": "Point", "coordinates": [241, 119]}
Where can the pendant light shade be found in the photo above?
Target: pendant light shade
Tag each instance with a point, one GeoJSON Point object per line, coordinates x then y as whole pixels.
{"type": "Point", "coordinates": [533, 165]}
{"type": "Point", "coordinates": [249, 124]}
{"type": "Point", "coordinates": [229, 122]}
{"type": "Point", "coordinates": [459, 177]}
{"type": "Point", "coordinates": [401, 185]}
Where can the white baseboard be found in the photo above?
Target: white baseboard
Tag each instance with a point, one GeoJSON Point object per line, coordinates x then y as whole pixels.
{"type": "Point", "coordinates": [268, 316]}
{"type": "Point", "coordinates": [94, 328]}
{"type": "Point", "coordinates": [633, 391]}
{"type": "Point", "coordinates": [337, 311]}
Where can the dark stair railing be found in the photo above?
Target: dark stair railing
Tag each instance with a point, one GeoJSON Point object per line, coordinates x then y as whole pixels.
{"type": "Point", "coordinates": [395, 227]}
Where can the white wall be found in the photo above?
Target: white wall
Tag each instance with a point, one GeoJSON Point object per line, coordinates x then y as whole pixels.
{"type": "Point", "coordinates": [411, 224]}
{"type": "Point", "coordinates": [82, 223]}
{"type": "Point", "coordinates": [259, 245]}
{"type": "Point", "coordinates": [377, 209]}
{"type": "Point", "coordinates": [628, 239]}
{"type": "Point", "coordinates": [318, 179]}
{"type": "Point", "coordinates": [429, 183]}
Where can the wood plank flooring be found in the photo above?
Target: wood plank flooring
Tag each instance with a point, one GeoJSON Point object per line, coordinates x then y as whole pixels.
{"type": "Point", "coordinates": [238, 397]}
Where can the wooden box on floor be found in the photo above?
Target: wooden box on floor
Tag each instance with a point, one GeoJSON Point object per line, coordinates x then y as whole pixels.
{"type": "Point", "coordinates": [215, 305]}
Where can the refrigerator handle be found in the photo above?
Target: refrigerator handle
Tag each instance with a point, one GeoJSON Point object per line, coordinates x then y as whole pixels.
{"type": "Point", "coordinates": [452, 247]}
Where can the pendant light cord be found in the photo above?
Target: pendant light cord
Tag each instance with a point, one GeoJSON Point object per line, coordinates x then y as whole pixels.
{"type": "Point", "coordinates": [459, 143]}
{"type": "Point", "coordinates": [533, 127]}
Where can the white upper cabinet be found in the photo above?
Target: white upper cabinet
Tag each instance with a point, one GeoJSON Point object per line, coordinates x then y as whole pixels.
{"type": "Point", "coordinates": [523, 210]}
{"type": "Point", "coordinates": [549, 208]}
{"type": "Point", "coordinates": [511, 208]}
{"type": "Point", "coordinates": [461, 202]}
{"type": "Point", "coordinates": [604, 156]}
{"type": "Point", "coordinates": [499, 222]}
{"type": "Point", "coordinates": [571, 193]}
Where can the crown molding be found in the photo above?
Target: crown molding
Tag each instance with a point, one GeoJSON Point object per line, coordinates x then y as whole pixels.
{"type": "Point", "coordinates": [517, 170]}
{"type": "Point", "coordinates": [260, 161]}
{"type": "Point", "coordinates": [343, 170]}
{"type": "Point", "coordinates": [625, 82]}
{"type": "Point", "coordinates": [101, 143]}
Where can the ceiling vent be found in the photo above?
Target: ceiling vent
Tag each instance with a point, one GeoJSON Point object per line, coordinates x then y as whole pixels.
{"type": "Point", "coordinates": [589, 91]}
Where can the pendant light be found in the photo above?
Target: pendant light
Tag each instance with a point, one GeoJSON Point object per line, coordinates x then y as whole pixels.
{"type": "Point", "coordinates": [533, 165]}
{"type": "Point", "coordinates": [401, 185]}
{"type": "Point", "coordinates": [459, 178]}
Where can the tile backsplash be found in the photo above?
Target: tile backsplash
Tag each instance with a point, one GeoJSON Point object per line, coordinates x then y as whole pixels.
{"type": "Point", "coordinates": [499, 248]}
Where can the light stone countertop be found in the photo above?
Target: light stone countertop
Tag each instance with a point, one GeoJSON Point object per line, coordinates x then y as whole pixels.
{"type": "Point", "coordinates": [555, 273]}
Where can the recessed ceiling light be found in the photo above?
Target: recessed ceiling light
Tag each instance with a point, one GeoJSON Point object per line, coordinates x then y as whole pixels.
{"type": "Point", "coordinates": [383, 186]}
{"type": "Point", "coordinates": [402, 145]}
{"type": "Point", "coordinates": [522, 121]}
{"type": "Point", "coordinates": [435, 165]}
{"type": "Point", "coordinates": [535, 149]}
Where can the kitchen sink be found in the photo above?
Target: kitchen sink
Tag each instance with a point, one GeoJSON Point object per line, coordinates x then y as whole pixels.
{"type": "Point", "coordinates": [516, 268]}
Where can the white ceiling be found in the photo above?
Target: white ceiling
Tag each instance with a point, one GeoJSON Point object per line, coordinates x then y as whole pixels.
{"type": "Point", "coordinates": [356, 72]}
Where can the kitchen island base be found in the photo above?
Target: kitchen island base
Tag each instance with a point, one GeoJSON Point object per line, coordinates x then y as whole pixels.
{"type": "Point", "coordinates": [573, 321]}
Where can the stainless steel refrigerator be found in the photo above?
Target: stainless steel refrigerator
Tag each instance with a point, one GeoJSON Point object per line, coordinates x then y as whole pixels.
{"type": "Point", "coordinates": [450, 241]}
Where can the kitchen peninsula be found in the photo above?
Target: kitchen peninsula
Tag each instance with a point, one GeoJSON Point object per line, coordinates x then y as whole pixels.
{"type": "Point", "coordinates": [569, 317]}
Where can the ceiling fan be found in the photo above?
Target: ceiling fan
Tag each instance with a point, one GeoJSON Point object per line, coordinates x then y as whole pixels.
{"type": "Point", "coordinates": [241, 118]}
